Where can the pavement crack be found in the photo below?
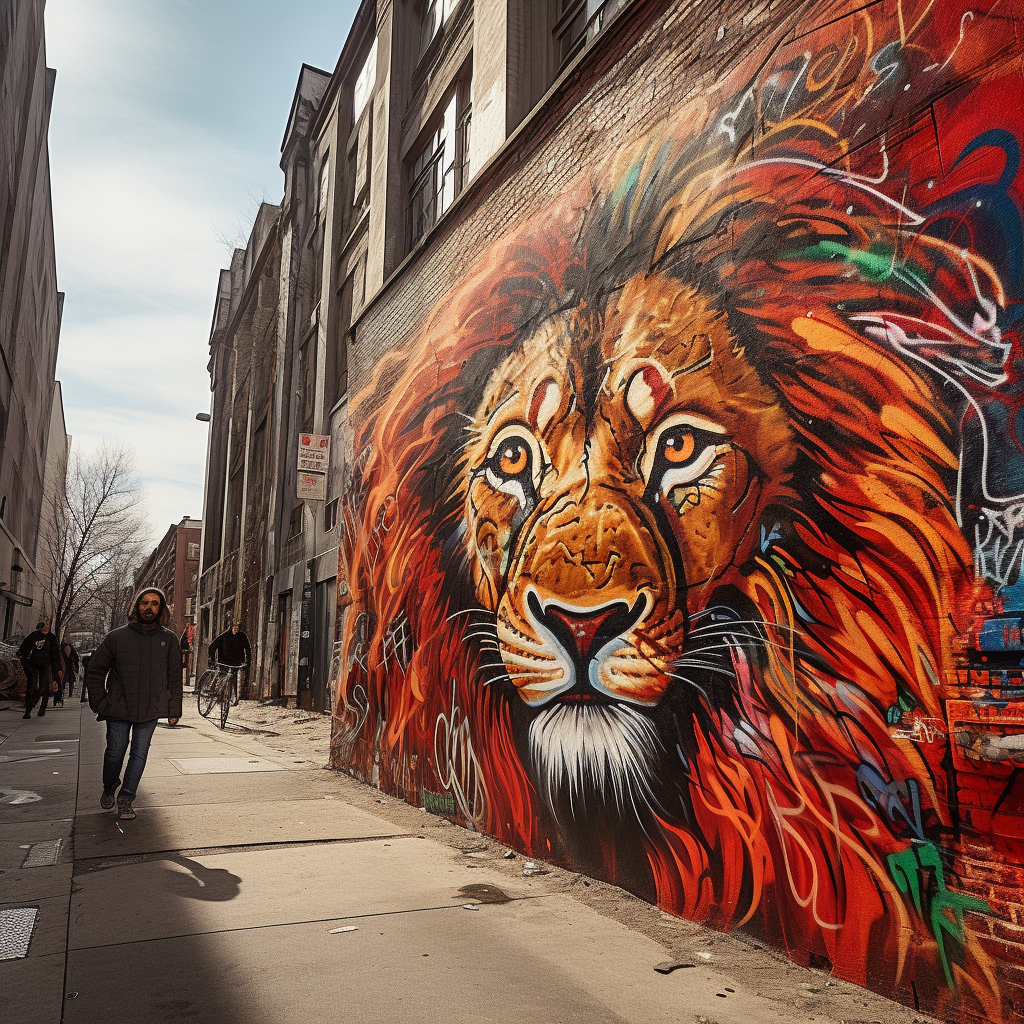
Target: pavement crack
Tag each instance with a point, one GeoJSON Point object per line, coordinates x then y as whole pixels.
{"type": "Point", "coordinates": [296, 924]}
{"type": "Point", "coordinates": [87, 865]}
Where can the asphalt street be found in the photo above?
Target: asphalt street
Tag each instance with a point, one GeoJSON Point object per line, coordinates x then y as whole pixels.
{"type": "Point", "coordinates": [257, 886]}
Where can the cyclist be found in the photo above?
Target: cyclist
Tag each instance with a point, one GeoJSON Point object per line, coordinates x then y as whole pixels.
{"type": "Point", "coordinates": [231, 650]}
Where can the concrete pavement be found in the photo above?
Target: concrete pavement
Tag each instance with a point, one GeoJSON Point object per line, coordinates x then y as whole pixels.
{"type": "Point", "coordinates": [222, 903]}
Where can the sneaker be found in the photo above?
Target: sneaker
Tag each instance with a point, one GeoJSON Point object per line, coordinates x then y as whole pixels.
{"type": "Point", "coordinates": [107, 800]}
{"type": "Point", "coordinates": [124, 810]}
{"type": "Point", "coordinates": [28, 714]}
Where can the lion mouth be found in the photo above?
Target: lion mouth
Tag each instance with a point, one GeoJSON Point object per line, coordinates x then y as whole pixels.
{"type": "Point", "coordinates": [586, 635]}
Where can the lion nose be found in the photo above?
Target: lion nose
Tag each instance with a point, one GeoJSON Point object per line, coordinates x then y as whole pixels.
{"type": "Point", "coordinates": [584, 631]}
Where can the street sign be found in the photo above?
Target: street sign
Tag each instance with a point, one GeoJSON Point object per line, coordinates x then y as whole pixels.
{"type": "Point", "coordinates": [314, 459]}
{"type": "Point", "coordinates": [312, 486]}
{"type": "Point", "coordinates": [314, 453]}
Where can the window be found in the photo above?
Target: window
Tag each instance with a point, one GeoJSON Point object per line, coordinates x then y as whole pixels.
{"type": "Point", "coordinates": [193, 549]}
{"type": "Point", "coordinates": [579, 24]}
{"type": "Point", "coordinates": [296, 522]}
{"type": "Point", "coordinates": [435, 14]}
{"type": "Point", "coordinates": [325, 181]}
{"type": "Point", "coordinates": [441, 168]}
{"type": "Point", "coordinates": [339, 339]}
{"type": "Point", "coordinates": [307, 381]}
{"type": "Point", "coordinates": [364, 83]}
{"type": "Point", "coordinates": [330, 515]}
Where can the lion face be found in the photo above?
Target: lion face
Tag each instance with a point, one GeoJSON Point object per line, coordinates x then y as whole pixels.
{"type": "Point", "coordinates": [619, 463]}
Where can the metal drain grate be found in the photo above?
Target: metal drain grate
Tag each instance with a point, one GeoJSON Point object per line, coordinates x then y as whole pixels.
{"type": "Point", "coordinates": [16, 927]}
{"type": "Point", "coordinates": [223, 765]}
{"type": "Point", "coordinates": [43, 855]}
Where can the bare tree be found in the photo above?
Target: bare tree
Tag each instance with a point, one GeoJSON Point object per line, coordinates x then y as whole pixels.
{"type": "Point", "coordinates": [96, 533]}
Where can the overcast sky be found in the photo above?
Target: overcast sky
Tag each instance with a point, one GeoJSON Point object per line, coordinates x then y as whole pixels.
{"type": "Point", "coordinates": [165, 135]}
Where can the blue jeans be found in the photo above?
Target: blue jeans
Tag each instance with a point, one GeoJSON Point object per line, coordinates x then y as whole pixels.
{"type": "Point", "coordinates": [113, 757]}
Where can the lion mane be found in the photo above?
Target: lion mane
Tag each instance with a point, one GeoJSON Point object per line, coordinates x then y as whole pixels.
{"type": "Point", "coordinates": [783, 800]}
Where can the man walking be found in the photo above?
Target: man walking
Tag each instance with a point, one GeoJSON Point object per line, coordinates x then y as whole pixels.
{"type": "Point", "coordinates": [231, 649]}
{"type": "Point", "coordinates": [70, 658]}
{"type": "Point", "coordinates": [134, 678]}
{"type": "Point", "coordinates": [40, 657]}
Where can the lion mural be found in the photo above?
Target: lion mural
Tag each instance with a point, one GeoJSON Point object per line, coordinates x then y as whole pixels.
{"type": "Point", "coordinates": [658, 521]}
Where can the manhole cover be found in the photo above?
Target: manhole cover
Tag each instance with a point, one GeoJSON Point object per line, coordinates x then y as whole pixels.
{"type": "Point", "coordinates": [42, 855]}
{"type": "Point", "coordinates": [16, 927]}
{"type": "Point", "coordinates": [223, 765]}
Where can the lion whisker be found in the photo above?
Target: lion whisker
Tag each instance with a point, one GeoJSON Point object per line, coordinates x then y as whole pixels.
{"type": "Point", "coordinates": [690, 682]}
{"type": "Point", "coordinates": [745, 642]}
{"type": "Point", "coordinates": [706, 665]}
{"type": "Point", "coordinates": [718, 626]}
{"type": "Point", "coordinates": [468, 611]}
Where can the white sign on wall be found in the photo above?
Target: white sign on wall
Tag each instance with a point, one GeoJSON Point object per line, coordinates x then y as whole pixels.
{"type": "Point", "coordinates": [314, 460]}
{"type": "Point", "coordinates": [312, 486]}
{"type": "Point", "coordinates": [314, 453]}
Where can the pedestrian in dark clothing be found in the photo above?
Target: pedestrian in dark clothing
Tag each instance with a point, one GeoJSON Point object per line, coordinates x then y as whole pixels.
{"type": "Point", "coordinates": [40, 656]}
{"type": "Point", "coordinates": [86, 658]}
{"type": "Point", "coordinates": [134, 678]}
{"type": "Point", "coordinates": [70, 658]}
{"type": "Point", "coordinates": [186, 650]}
{"type": "Point", "coordinates": [231, 649]}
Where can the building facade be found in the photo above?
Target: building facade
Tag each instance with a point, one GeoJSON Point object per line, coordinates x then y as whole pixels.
{"type": "Point", "coordinates": [30, 311]}
{"type": "Point", "coordinates": [173, 566]}
{"type": "Point", "coordinates": [669, 362]}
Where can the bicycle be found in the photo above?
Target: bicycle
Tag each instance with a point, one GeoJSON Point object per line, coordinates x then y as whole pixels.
{"type": "Point", "coordinates": [214, 687]}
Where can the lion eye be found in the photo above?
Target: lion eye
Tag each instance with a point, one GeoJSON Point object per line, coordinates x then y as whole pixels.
{"type": "Point", "coordinates": [678, 446]}
{"type": "Point", "coordinates": [513, 458]}
{"type": "Point", "coordinates": [515, 465]}
{"type": "Point", "coordinates": [681, 452]}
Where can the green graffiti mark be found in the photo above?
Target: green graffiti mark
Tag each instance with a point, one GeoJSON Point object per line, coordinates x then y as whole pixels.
{"type": "Point", "coordinates": [877, 263]}
{"type": "Point", "coordinates": [945, 908]}
{"type": "Point", "coordinates": [905, 703]}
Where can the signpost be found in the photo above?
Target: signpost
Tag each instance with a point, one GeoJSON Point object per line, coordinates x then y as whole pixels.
{"type": "Point", "coordinates": [314, 459]}
{"type": "Point", "coordinates": [311, 485]}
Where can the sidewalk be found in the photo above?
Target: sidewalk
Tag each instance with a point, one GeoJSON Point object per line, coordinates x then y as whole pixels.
{"type": "Point", "coordinates": [222, 901]}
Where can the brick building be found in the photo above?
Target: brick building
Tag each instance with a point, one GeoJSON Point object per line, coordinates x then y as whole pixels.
{"type": "Point", "coordinates": [374, 155]}
{"type": "Point", "coordinates": [469, 196]}
{"type": "Point", "coordinates": [30, 312]}
{"type": "Point", "coordinates": [173, 566]}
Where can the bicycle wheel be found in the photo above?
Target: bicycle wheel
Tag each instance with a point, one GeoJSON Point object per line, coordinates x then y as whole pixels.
{"type": "Point", "coordinates": [225, 700]}
{"type": "Point", "coordinates": [206, 693]}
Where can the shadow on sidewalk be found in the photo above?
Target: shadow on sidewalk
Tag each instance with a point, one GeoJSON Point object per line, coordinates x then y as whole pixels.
{"type": "Point", "coordinates": [196, 882]}
{"type": "Point", "coordinates": [145, 941]}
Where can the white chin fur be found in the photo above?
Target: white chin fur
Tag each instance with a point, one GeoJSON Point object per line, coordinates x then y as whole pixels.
{"type": "Point", "coordinates": [592, 754]}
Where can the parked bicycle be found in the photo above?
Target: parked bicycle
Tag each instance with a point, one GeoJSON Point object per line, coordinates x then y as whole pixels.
{"type": "Point", "coordinates": [218, 686]}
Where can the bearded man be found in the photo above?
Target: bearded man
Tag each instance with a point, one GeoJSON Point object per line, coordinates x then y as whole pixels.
{"type": "Point", "coordinates": [134, 678]}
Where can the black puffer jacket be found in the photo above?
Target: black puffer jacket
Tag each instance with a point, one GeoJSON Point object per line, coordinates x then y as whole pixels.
{"type": "Point", "coordinates": [135, 673]}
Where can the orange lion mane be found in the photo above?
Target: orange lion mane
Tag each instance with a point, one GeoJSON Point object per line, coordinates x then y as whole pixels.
{"type": "Point", "coordinates": [800, 793]}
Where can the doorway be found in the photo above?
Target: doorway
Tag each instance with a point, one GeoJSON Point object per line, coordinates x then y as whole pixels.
{"type": "Point", "coordinates": [323, 642]}
{"type": "Point", "coordinates": [284, 620]}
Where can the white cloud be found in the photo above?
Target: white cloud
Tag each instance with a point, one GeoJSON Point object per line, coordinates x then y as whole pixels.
{"type": "Point", "coordinates": [164, 135]}
{"type": "Point", "coordinates": [139, 191]}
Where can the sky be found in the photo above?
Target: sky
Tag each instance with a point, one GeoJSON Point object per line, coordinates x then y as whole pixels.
{"type": "Point", "coordinates": [165, 135]}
